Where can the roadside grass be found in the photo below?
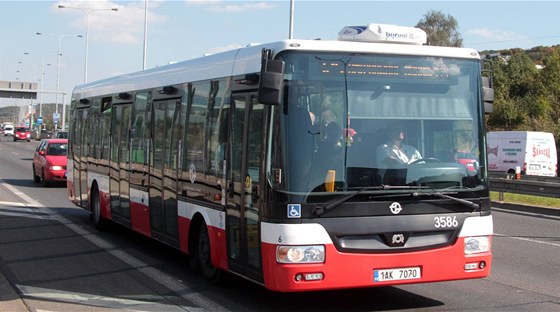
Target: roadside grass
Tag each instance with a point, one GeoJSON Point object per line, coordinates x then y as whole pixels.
{"type": "Point", "coordinates": [538, 201]}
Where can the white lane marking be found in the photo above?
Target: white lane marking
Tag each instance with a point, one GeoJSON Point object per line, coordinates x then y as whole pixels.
{"type": "Point", "coordinates": [548, 216]}
{"type": "Point", "coordinates": [171, 283]}
{"type": "Point", "coordinates": [22, 210]}
{"type": "Point", "coordinates": [100, 301]}
{"type": "Point", "coordinates": [24, 215]}
{"type": "Point", "coordinates": [528, 240]}
{"type": "Point", "coordinates": [7, 203]}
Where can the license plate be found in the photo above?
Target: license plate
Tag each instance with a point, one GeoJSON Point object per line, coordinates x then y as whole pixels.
{"type": "Point", "coordinates": [396, 274]}
{"type": "Point", "coordinates": [534, 167]}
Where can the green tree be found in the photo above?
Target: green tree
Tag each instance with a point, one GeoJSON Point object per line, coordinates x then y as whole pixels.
{"type": "Point", "coordinates": [522, 75]}
{"type": "Point", "coordinates": [506, 116]}
{"type": "Point", "coordinates": [441, 29]}
{"type": "Point", "coordinates": [526, 98]}
{"type": "Point", "coordinates": [550, 80]}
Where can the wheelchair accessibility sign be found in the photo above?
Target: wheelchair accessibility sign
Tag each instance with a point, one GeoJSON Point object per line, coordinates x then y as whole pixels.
{"type": "Point", "coordinates": [294, 210]}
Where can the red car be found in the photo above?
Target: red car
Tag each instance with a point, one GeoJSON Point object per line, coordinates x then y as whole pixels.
{"type": "Point", "coordinates": [468, 160]}
{"type": "Point", "coordinates": [49, 161]}
{"type": "Point", "coordinates": [22, 133]}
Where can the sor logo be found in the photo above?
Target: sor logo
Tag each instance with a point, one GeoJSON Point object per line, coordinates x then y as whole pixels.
{"type": "Point", "coordinates": [396, 208]}
{"type": "Point", "coordinates": [396, 239]}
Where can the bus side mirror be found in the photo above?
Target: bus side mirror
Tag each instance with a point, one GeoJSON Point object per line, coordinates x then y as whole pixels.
{"type": "Point", "coordinates": [488, 95]}
{"type": "Point", "coordinates": [271, 81]}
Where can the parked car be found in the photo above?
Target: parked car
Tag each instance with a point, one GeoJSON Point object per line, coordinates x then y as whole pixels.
{"type": "Point", "coordinates": [49, 161]}
{"type": "Point", "coordinates": [22, 133]}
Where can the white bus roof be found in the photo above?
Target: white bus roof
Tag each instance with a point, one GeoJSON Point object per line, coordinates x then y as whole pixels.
{"type": "Point", "coordinates": [248, 60]}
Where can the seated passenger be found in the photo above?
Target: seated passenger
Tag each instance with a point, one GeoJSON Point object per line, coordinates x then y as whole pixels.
{"type": "Point", "coordinates": [394, 152]}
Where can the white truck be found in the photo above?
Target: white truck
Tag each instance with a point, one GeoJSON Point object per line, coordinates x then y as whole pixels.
{"type": "Point", "coordinates": [534, 152]}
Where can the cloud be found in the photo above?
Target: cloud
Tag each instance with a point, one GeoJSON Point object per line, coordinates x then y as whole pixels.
{"type": "Point", "coordinates": [125, 26]}
{"type": "Point", "coordinates": [232, 6]}
{"type": "Point", "coordinates": [496, 35]}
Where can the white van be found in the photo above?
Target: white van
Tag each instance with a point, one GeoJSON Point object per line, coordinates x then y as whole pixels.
{"type": "Point", "coordinates": [533, 152]}
{"type": "Point", "coordinates": [8, 130]}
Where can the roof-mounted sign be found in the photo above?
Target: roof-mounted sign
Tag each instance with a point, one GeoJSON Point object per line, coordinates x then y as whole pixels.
{"type": "Point", "coordinates": [383, 33]}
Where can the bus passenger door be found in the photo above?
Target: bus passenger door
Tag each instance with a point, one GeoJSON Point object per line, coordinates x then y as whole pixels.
{"type": "Point", "coordinates": [120, 162]}
{"type": "Point", "coordinates": [139, 214]}
{"type": "Point", "coordinates": [244, 183]}
{"type": "Point", "coordinates": [163, 172]}
{"type": "Point", "coordinates": [80, 156]}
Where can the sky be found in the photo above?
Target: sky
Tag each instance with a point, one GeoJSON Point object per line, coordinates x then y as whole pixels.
{"type": "Point", "coordinates": [185, 29]}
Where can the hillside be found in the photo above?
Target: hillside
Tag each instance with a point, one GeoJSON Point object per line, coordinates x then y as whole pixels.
{"type": "Point", "coordinates": [538, 54]}
{"type": "Point", "coordinates": [9, 113]}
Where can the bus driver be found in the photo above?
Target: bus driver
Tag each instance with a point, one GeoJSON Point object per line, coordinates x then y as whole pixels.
{"type": "Point", "coordinates": [394, 151]}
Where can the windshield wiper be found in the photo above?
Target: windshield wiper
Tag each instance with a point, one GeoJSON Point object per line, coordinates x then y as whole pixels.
{"type": "Point", "coordinates": [317, 211]}
{"type": "Point", "coordinates": [445, 196]}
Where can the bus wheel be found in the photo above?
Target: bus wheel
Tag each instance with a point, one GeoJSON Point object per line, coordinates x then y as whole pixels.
{"type": "Point", "coordinates": [96, 217]}
{"type": "Point", "coordinates": [203, 254]}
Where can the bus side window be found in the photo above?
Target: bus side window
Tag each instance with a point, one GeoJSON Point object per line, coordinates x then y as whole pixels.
{"type": "Point", "coordinates": [217, 127]}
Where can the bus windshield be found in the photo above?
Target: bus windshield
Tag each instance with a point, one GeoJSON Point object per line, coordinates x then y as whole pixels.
{"type": "Point", "coordinates": [355, 121]}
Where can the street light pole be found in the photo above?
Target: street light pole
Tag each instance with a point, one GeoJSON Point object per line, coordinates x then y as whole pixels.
{"type": "Point", "coordinates": [30, 109]}
{"type": "Point", "coordinates": [60, 37]}
{"type": "Point", "coordinates": [58, 78]}
{"type": "Point", "coordinates": [145, 34]}
{"type": "Point", "coordinates": [291, 30]}
{"type": "Point", "coordinates": [42, 79]}
{"type": "Point", "coordinates": [86, 11]}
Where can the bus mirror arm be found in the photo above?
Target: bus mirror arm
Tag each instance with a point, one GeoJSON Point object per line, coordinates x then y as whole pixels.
{"type": "Point", "coordinates": [487, 89]}
{"type": "Point", "coordinates": [271, 79]}
{"type": "Point", "coordinates": [488, 94]}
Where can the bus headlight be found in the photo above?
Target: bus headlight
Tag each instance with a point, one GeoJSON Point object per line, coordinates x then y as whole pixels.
{"type": "Point", "coordinates": [477, 244]}
{"type": "Point", "coordinates": [300, 254]}
{"type": "Point", "coordinates": [56, 168]}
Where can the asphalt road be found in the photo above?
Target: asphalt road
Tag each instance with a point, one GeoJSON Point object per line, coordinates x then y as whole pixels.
{"type": "Point", "coordinates": [53, 259]}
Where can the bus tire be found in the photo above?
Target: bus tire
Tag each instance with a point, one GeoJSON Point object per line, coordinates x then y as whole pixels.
{"type": "Point", "coordinates": [98, 220]}
{"type": "Point", "coordinates": [201, 258]}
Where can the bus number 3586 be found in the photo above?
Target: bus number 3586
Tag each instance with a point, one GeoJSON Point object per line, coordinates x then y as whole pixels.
{"type": "Point", "coordinates": [445, 222]}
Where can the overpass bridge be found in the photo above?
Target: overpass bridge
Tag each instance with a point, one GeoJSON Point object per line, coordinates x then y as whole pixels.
{"type": "Point", "coordinates": [28, 90]}
{"type": "Point", "coordinates": [18, 90]}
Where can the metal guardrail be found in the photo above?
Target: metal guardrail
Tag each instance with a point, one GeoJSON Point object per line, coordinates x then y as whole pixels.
{"type": "Point", "coordinates": [528, 185]}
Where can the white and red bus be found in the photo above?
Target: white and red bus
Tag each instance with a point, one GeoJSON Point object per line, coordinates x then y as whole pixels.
{"type": "Point", "coordinates": [261, 161]}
